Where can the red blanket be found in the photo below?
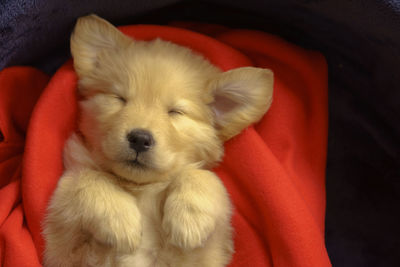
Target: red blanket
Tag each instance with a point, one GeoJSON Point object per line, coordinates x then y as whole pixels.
{"type": "Point", "coordinates": [274, 170]}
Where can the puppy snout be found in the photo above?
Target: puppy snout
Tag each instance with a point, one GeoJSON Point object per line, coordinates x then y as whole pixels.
{"type": "Point", "coordinates": [140, 140]}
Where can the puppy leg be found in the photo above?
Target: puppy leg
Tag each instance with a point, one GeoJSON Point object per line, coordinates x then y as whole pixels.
{"type": "Point", "coordinates": [86, 199]}
{"type": "Point", "coordinates": [196, 201]}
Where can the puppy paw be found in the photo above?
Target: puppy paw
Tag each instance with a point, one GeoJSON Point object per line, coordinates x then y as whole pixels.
{"type": "Point", "coordinates": [121, 231]}
{"type": "Point", "coordinates": [185, 224]}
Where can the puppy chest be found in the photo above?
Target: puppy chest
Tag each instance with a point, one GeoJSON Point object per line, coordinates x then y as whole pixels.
{"type": "Point", "coordinates": [150, 201]}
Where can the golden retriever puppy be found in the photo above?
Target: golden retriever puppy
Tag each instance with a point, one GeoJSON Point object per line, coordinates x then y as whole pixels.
{"type": "Point", "coordinates": [137, 190]}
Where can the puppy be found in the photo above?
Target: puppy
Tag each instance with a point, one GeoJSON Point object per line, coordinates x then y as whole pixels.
{"type": "Point", "coordinates": [137, 190]}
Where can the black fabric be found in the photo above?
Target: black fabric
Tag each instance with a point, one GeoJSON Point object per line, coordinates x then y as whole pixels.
{"type": "Point", "coordinates": [361, 41]}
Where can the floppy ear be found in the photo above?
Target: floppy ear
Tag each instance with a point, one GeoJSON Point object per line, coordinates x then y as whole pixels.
{"type": "Point", "coordinates": [241, 97]}
{"type": "Point", "coordinates": [92, 37]}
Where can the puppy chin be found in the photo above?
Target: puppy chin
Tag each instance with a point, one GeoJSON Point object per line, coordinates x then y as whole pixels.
{"type": "Point", "coordinates": [137, 172]}
{"type": "Point", "coordinates": [148, 167]}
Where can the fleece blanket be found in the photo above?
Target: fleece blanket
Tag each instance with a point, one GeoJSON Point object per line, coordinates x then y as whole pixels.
{"type": "Point", "coordinates": [274, 170]}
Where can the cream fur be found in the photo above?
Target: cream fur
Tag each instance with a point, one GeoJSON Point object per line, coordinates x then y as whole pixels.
{"type": "Point", "coordinates": [173, 211]}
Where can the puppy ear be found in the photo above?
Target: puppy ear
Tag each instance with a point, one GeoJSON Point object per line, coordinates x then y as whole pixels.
{"type": "Point", "coordinates": [241, 97]}
{"type": "Point", "coordinates": [91, 37]}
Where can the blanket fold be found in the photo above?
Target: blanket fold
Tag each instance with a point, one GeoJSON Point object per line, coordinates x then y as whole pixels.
{"type": "Point", "coordinates": [20, 88]}
{"type": "Point", "coordinates": [274, 170]}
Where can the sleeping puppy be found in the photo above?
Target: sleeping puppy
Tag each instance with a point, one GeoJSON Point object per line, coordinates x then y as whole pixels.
{"type": "Point", "coordinates": [137, 190]}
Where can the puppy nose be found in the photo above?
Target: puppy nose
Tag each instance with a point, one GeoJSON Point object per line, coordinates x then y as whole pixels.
{"type": "Point", "coordinates": [140, 140]}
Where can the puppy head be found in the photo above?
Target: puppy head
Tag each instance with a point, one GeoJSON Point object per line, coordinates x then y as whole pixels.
{"type": "Point", "coordinates": [150, 109]}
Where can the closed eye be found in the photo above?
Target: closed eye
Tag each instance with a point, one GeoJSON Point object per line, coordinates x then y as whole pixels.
{"type": "Point", "coordinates": [120, 98]}
{"type": "Point", "coordinates": [176, 112]}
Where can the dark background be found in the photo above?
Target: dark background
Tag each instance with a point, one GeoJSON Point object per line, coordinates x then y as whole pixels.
{"type": "Point", "coordinates": [361, 41]}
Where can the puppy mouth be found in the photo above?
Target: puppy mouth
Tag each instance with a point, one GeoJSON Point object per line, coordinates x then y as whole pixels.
{"type": "Point", "coordinates": [136, 164]}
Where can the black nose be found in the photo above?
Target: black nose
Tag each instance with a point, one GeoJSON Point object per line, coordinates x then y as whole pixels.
{"type": "Point", "coordinates": [140, 140]}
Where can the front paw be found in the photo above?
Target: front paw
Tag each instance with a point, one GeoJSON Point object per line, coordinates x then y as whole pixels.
{"type": "Point", "coordinates": [121, 231]}
{"type": "Point", "coordinates": [186, 224]}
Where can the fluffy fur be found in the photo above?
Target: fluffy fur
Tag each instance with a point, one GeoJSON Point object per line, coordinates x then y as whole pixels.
{"type": "Point", "coordinates": [114, 206]}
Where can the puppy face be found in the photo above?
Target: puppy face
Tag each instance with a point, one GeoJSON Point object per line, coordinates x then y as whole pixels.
{"type": "Point", "coordinates": [152, 108]}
